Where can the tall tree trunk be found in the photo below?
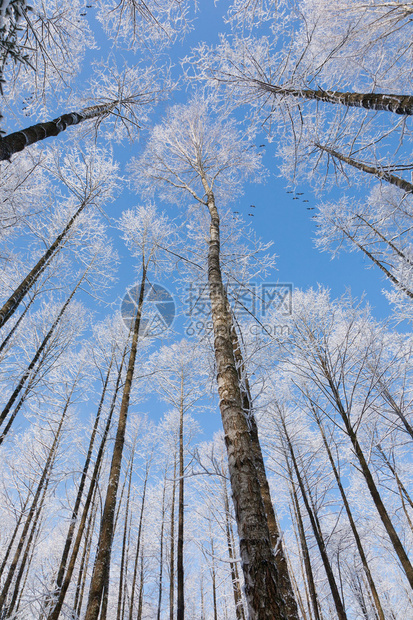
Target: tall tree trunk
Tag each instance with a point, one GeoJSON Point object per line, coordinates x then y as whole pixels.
{"type": "Point", "coordinates": [213, 579]}
{"type": "Point", "coordinates": [84, 562]}
{"type": "Point", "coordinates": [55, 612]}
{"type": "Point", "coordinates": [34, 505]}
{"type": "Point", "coordinates": [75, 512]}
{"type": "Point", "coordinates": [365, 470]}
{"type": "Point", "coordinates": [285, 585]}
{"type": "Point", "coordinates": [261, 578]}
{"type": "Point", "coordinates": [180, 605]}
{"type": "Point", "coordinates": [402, 489]}
{"type": "Point", "coordinates": [35, 359]}
{"type": "Point", "coordinates": [380, 173]}
{"type": "Point", "coordinates": [102, 562]}
{"type": "Point", "coordinates": [304, 549]}
{"type": "Point", "coordinates": [16, 325]}
{"type": "Point", "coordinates": [15, 532]}
{"type": "Point", "coordinates": [239, 608]}
{"type": "Point", "coordinates": [138, 543]}
{"type": "Point", "coordinates": [158, 614]}
{"type": "Point", "coordinates": [126, 528]}
{"type": "Point", "coordinates": [341, 614]}
{"type": "Point", "coordinates": [15, 142]}
{"type": "Point", "coordinates": [398, 104]}
{"type": "Point", "coordinates": [360, 549]}
{"type": "Point", "coordinates": [141, 583]}
{"type": "Point", "coordinates": [29, 549]}
{"type": "Point", "coordinates": [172, 549]}
{"type": "Point", "coordinates": [11, 305]}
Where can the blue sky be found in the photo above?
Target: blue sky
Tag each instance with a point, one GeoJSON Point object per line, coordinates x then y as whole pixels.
{"type": "Point", "coordinates": [277, 217]}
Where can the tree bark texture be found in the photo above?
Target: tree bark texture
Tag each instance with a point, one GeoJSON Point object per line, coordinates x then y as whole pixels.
{"type": "Point", "coordinates": [17, 141]}
{"type": "Point", "coordinates": [377, 172]}
{"type": "Point", "coordinates": [286, 588]}
{"type": "Point", "coordinates": [258, 563]}
{"type": "Point", "coordinates": [398, 104]}
{"type": "Point", "coordinates": [180, 604]}
{"type": "Point", "coordinates": [102, 561]}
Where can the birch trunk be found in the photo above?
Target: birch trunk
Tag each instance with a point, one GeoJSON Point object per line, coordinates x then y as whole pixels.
{"type": "Point", "coordinates": [341, 614]}
{"type": "Point", "coordinates": [102, 561]}
{"type": "Point", "coordinates": [15, 142]}
{"type": "Point", "coordinates": [34, 506]}
{"type": "Point", "coordinates": [258, 563]}
{"type": "Point", "coordinates": [305, 551]}
{"type": "Point", "coordinates": [360, 549]}
{"type": "Point", "coordinates": [398, 104]}
{"type": "Point", "coordinates": [286, 588]}
{"type": "Point", "coordinates": [239, 607]}
{"type": "Point", "coordinates": [55, 612]}
{"type": "Point", "coordinates": [365, 470]}
{"type": "Point", "coordinates": [161, 536]}
{"type": "Point", "coordinates": [377, 172]}
{"type": "Point", "coordinates": [138, 544]}
{"type": "Point", "coordinates": [11, 305]}
{"type": "Point", "coordinates": [180, 604]}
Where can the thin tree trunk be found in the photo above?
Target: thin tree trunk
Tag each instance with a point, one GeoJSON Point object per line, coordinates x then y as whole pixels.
{"type": "Point", "coordinates": [304, 546]}
{"type": "Point", "coordinates": [359, 545]}
{"type": "Point", "coordinates": [365, 470]}
{"type": "Point", "coordinates": [239, 608]}
{"type": "Point", "coordinates": [398, 104]}
{"type": "Point", "coordinates": [213, 579]}
{"type": "Point", "coordinates": [317, 532]}
{"type": "Point", "coordinates": [141, 583]}
{"type": "Point", "coordinates": [123, 560]}
{"type": "Point", "coordinates": [172, 549]}
{"type": "Point", "coordinates": [377, 172]}
{"type": "Point", "coordinates": [41, 350]}
{"type": "Point", "coordinates": [84, 563]}
{"type": "Point", "coordinates": [138, 542]}
{"type": "Point", "coordinates": [34, 505]}
{"type": "Point", "coordinates": [180, 606]}
{"type": "Point", "coordinates": [387, 273]}
{"type": "Point", "coordinates": [35, 359]}
{"type": "Point", "coordinates": [11, 305]}
{"type": "Point", "coordinates": [397, 410]}
{"type": "Point", "coordinates": [75, 512]}
{"type": "Point", "coordinates": [55, 612]}
{"type": "Point", "coordinates": [17, 591]}
{"type": "Point", "coordinates": [400, 485]}
{"type": "Point", "coordinates": [391, 245]}
{"type": "Point", "coordinates": [102, 562]}
{"type": "Point", "coordinates": [262, 587]}
{"type": "Point", "coordinates": [105, 596]}
{"type": "Point", "coordinates": [16, 325]}
{"type": "Point", "coordinates": [158, 615]}
{"type": "Point", "coordinates": [28, 565]}
{"type": "Point", "coordinates": [14, 535]}
{"type": "Point", "coordinates": [15, 142]}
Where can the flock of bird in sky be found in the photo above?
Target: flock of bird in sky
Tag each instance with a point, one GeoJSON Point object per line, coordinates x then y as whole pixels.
{"type": "Point", "coordinates": [296, 197]}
